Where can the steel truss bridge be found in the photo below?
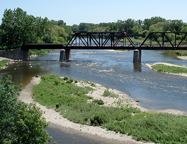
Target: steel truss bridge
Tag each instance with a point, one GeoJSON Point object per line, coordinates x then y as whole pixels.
{"type": "Point", "coordinates": [119, 40]}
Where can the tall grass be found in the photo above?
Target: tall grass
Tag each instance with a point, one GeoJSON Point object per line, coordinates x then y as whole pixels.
{"type": "Point", "coordinates": [181, 52]}
{"type": "Point", "coordinates": [71, 101]}
{"type": "Point", "coordinates": [169, 69]}
{"type": "Point", "coordinates": [3, 63]}
{"type": "Point", "coordinates": [38, 52]}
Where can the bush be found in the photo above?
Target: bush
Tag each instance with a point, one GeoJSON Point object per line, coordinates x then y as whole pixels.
{"type": "Point", "coordinates": [99, 102]}
{"type": "Point", "coordinates": [19, 123]}
{"type": "Point", "coordinates": [107, 93]}
{"type": "Point", "coordinates": [3, 63]}
{"type": "Point", "coordinates": [98, 119]}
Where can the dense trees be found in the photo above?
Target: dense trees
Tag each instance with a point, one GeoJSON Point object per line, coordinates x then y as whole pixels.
{"type": "Point", "coordinates": [60, 33]}
{"type": "Point", "coordinates": [18, 28]}
{"type": "Point", "coordinates": [19, 123]}
{"type": "Point", "coordinates": [131, 26]}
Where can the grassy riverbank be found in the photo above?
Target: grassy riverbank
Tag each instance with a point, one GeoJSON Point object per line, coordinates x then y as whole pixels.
{"type": "Point", "coordinates": [3, 63]}
{"type": "Point", "coordinates": [39, 52]}
{"type": "Point", "coordinates": [169, 69]}
{"type": "Point", "coordinates": [72, 102]}
{"type": "Point", "coordinates": [181, 52]}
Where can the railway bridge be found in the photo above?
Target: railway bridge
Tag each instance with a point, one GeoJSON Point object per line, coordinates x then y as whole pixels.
{"type": "Point", "coordinates": [117, 41]}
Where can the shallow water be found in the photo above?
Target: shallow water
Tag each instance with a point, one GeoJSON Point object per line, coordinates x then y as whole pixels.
{"type": "Point", "coordinates": [155, 91]}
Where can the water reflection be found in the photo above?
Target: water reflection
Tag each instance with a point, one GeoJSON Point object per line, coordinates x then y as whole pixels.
{"type": "Point", "coordinates": [22, 72]}
{"type": "Point", "coordinates": [65, 64]}
{"type": "Point", "coordinates": [137, 67]}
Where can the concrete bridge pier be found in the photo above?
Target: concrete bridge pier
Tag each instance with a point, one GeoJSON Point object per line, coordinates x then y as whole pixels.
{"type": "Point", "coordinates": [25, 54]}
{"type": "Point", "coordinates": [65, 54]}
{"type": "Point", "coordinates": [137, 56]}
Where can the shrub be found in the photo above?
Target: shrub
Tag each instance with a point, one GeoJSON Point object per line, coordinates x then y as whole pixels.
{"type": "Point", "coordinates": [99, 102]}
{"type": "Point", "coordinates": [98, 119]}
{"type": "Point", "coordinates": [107, 93]}
{"type": "Point", "coordinates": [3, 63]}
{"type": "Point", "coordinates": [19, 123]}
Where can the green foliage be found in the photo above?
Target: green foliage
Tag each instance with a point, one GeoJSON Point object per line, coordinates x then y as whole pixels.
{"type": "Point", "coordinates": [38, 52]}
{"type": "Point", "coordinates": [21, 28]}
{"type": "Point", "coordinates": [169, 69]}
{"type": "Point", "coordinates": [55, 94]}
{"type": "Point", "coordinates": [99, 102]}
{"type": "Point", "coordinates": [181, 52]}
{"type": "Point", "coordinates": [98, 119]}
{"type": "Point", "coordinates": [107, 93]}
{"type": "Point", "coordinates": [30, 126]}
{"type": "Point", "coordinates": [19, 123]}
{"type": "Point", "coordinates": [3, 63]}
{"type": "Point", "coordinates": [158, 128]}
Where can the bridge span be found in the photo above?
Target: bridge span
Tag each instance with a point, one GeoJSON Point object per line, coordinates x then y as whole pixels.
{"type": "Point", "coordinates": [117, 41]}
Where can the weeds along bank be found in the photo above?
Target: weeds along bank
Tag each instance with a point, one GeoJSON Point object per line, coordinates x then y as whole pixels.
{"type": "Point", "coordinates": [169, 68]}
{"type": "Point", "coordinates": [92, 105]}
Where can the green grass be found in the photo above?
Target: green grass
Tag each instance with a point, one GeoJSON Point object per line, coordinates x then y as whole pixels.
{"type": "Point", "coordinates": [181, 52]}
{"type": "Point", "coordinates": [71, 101]}
{"type": "Point", "coordinates": [169, 69]}
{"type": "Point", "coordinates": [38, 52]}
{"type": "Point", "coordinates": [107, 93]}
{"type": "Point", "coordinates": [3, 63]}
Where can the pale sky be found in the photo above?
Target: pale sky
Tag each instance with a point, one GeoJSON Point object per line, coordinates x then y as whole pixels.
{"type": "Point", "coordinates": [97, 11]}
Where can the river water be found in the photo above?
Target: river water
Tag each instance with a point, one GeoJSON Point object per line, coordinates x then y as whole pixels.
{"type": "Point", "coordinates": [114, 69]}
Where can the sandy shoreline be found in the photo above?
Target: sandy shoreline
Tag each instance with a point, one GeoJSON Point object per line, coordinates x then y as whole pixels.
{"type": "Point", "coordinates": [182, 57]}
{"type": "Point", "coordinates": [55, 118]}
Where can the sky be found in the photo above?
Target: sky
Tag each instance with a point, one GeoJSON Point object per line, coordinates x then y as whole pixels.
{"type": "Point", "coordinates": [98, 11]}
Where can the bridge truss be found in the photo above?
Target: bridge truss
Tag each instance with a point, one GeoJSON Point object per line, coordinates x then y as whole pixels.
{"type": "Point", "coordinates": [121, 40]}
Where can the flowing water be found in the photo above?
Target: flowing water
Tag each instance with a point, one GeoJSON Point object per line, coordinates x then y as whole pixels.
{"type": "Point", "coordinates": [114, 69]}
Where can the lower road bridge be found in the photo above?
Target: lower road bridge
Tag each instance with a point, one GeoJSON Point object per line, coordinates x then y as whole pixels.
{"type": "Point", "coordinates": [117, 41]}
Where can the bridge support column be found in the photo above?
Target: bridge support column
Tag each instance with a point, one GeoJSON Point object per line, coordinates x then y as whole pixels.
{"type": "Point", "coordinates": [65, 55]}
{"type": "Point", "coordinates": [68, 54]}
{"type": "Point", "coordinates": [25, 54]}
{"type": "Point", "coordinates": [62, 55]}
{"type": "Point", "coordinates": [137, 56]}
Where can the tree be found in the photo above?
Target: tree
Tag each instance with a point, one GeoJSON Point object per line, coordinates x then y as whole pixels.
{"type": "Point", "coordinates": [129, 24]}
{"type": "Point", "coordinates": [20, 28]}
{"type": "Point", "coordinates": [19, 123]}
{"type": "Point", "coordinates": [176, 25]}
{"type": "Point", "coordinates": [151, 21]}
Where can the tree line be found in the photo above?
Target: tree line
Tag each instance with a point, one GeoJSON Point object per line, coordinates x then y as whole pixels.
{"type": "Point", "coordinates": [18, 27]}
{"type": "Point", "coordinates": [131, 26]}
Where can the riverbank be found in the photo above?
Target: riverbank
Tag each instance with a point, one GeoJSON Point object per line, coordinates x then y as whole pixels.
{"type": "Point", "coordinates": [168, 64]}
{"type": "Point", "coordinates": [6, 62]}
{"type": "Point", "coordinates": [54, 117]}
{"type": "Point", "coordinates": [182, 57]}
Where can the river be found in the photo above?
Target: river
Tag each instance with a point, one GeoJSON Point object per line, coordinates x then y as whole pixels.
{"type": "Point", "coordinates": [115, 69]}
